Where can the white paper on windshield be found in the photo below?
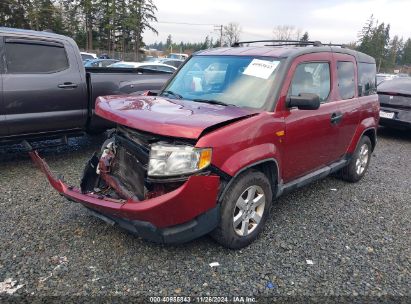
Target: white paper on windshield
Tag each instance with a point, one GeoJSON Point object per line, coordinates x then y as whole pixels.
{"type": "Point", "coordinates": [261, 68]}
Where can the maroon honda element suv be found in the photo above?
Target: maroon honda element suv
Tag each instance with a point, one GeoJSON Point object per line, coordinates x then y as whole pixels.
{"type": "Point", "coordinates": [231, 131]}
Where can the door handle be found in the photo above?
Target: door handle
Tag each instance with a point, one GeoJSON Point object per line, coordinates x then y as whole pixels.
{"type": "Point", "coordinates": [336, 117]}
{"type": "Point", "coordinates": [68, 85]}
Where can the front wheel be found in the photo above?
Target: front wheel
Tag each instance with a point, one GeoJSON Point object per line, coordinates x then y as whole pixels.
{"type": "Point", "coordinates": [359, 163]}
{"type": "Point", "coordinates": [244, 210]}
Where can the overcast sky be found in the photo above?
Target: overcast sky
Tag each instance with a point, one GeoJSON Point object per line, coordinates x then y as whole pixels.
{"type": "Point", "coordinates": [325, 20]}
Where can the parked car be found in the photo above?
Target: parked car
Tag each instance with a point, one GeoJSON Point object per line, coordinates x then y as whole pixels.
{"type": "Point", "coordinates": [46, 91]}
{"type": "Point", "coordinates": [144, 65]}
{"type": "Point", "coordinates": [86, 57]}
{"type": "Point", "coordinates": [99, 63]}
{"type": "Point", "coordinates": [381, 77]}
{"type": "Point", "coordinates": [150, 59]}
{"type": "Point", "coordinates": [173, 62]}
{"type": "Point", "coordinates": [181, 56]}
{"type": "Point", "coordinates": [395, 101]}
{"type": "Point", "coordinates": [209, 155]}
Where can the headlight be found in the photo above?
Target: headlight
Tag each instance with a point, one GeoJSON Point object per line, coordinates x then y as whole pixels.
{"type": "Point", "coordinates": [169, 160]}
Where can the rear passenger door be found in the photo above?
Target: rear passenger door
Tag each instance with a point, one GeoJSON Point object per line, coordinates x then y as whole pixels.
{"type": "Point", "coordinates": [347, 92]}
{"type": "Point", "coordinates": [43, 89]}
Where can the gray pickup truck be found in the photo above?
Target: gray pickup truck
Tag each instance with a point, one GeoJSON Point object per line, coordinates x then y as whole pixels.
{"type": "Point", "coordinates": [45, 90]}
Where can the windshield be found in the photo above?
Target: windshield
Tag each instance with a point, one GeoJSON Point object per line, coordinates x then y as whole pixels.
{"type": "Point", "coordinates": [242, 81]}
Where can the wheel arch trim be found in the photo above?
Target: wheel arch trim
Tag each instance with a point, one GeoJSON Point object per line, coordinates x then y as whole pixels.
{"type": "Point", "coordinates": [249, 166]}
{"type": "Point", "coordinates": [356, 138]}
{"type": "Point", "coordinates": [373, 140]}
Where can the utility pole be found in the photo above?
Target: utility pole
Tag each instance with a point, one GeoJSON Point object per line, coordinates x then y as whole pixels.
{"type": "Point", "coordinates": [220, 29]}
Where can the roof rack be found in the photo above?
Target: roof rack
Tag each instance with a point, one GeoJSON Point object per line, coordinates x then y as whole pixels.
{"type": "Point", "coordinates": [286, 43]}
{"type": "Point", "coordinates": [340, 45]}
{"type": "Point", "coordinates": [279, 42]}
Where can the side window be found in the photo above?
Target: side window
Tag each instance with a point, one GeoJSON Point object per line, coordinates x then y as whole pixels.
{"type": "Point", "coordinates": [345, 74]}
{"type": "Point", "coordinates": [366, 76]}
{"type": "Point", "coordinates": [311, 77]}
{"type": "Point", "coordinates": [30, 58]}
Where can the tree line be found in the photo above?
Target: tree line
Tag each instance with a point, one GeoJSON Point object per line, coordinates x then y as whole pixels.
{"type": "Point", "coordinates": [116, 26]}
{"type": "Point", "coordinates": [374, 40]}
{"type": "Point", "coordinates": [230, 33]}
{"type": "Point", "coordinates": [111, 25]}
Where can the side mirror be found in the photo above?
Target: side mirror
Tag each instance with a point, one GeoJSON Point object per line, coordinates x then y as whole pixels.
{"type": "Point", "coordinates": [304, 101]}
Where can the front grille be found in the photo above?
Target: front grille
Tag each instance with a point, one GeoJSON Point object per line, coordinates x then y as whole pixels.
{"type": "Point", "coordinates": [130, 164]}
{"type": "Point", "coordinates": [129, 170]}
{"type": "Point", "coordinates": [142, 139]}
{"type": "Point", "coordinates": [396, 101]}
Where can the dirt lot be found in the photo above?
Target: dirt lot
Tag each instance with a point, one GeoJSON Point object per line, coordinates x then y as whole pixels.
{"type": "Point", "coordinates": [330, 238]}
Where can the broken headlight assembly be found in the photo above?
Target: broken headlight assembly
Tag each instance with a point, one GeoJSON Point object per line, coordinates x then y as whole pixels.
{"type": "Point", "coordinates": [171, 160]}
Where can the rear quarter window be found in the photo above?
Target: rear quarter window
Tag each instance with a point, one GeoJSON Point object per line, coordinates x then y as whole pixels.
{"type": "Point", "coordinates": [366, 79]}
{"type": "Point", "coordinates": [29, 58]}
{"type": "Point", "coordinates": [346, 80]}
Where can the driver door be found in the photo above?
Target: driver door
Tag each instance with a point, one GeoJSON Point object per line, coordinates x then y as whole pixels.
{"type": "Point", "coordinates": [310, 135]}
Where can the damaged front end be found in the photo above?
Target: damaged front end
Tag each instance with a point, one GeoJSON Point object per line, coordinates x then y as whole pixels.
{"type": "Point", "coordinates": [164, 195]}
{"type": "Point", "coordinates": [120, 172]}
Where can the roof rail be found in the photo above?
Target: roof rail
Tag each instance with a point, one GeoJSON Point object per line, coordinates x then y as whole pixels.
{"type": "Point", "coordinates": [333, 44]}
{"type": "Point", "coordinates": [279, 42]}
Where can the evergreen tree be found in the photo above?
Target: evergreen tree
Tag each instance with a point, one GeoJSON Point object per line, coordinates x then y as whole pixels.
{"type": "Point", "coordinates": [374, 40]}
{"type": "Point", "coordinates": [142, 13]}
{"type": "Point", "coordinates": [394, 52]}
{"type": "Point", "coordinates": [305, 37]}
{"type": "Point", "coordinates": [365, 36]}
{"type": "Point", "coordinates": [406, 53]}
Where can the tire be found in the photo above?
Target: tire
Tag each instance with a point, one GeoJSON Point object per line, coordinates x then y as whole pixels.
{"type": "Point", "coordinates": [250, 218]}
{"type": "Point", "coordinates": [359, 163]}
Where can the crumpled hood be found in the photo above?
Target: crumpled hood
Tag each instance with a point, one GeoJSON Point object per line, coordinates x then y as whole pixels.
{"type": "Point", "coordinates": [164, 116]}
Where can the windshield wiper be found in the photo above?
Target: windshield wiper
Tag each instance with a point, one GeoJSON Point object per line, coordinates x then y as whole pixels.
{"type": "Point", "coordinates": [178, 96]}
{"type": "Point", "coordinates": [216, 102]}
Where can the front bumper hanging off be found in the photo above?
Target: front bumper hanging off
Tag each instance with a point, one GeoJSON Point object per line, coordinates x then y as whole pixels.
{"type": "Point", "coordinates": [178, 216]}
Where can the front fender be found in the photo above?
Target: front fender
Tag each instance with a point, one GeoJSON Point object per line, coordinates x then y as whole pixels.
{"type": "Point", "coordinates": [246, 142]}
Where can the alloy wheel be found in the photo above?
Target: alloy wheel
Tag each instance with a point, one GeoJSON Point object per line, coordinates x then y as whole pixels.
{"type": "Point", "coordinates": [248, 211]}
{"type": "Point", "coordinates": [362, 160]}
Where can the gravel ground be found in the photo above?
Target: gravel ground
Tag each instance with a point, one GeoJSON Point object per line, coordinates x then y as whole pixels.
{"type": "Point", "coordinates": [356, 235]}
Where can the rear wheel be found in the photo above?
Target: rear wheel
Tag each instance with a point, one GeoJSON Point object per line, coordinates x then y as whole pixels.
{"type": "Point", "coordinates": [360, 161]}
{"type": "Point", "coordinates": [244, 211]}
